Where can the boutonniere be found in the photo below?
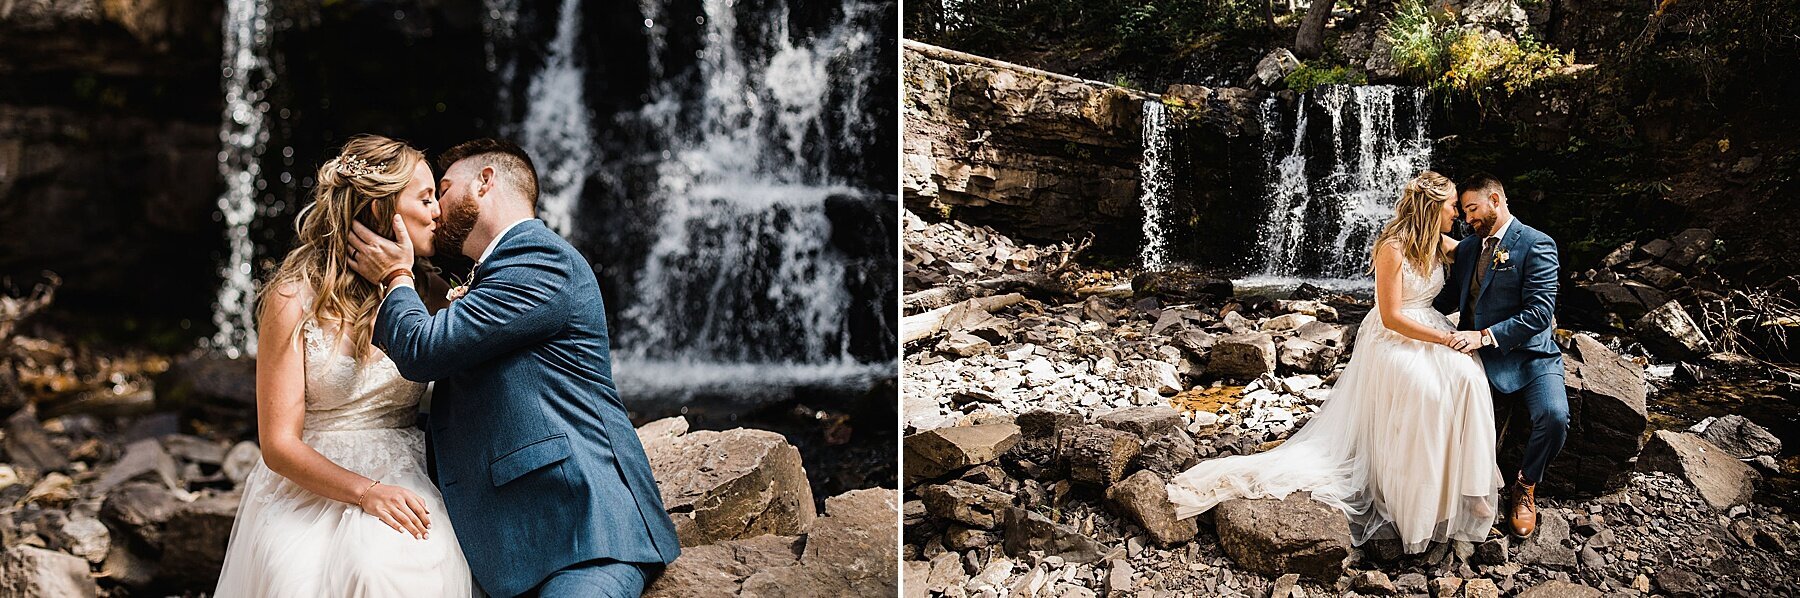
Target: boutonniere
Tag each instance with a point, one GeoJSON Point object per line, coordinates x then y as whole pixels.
{"type": "Point", "coordinates": [1500, 256]}
{"type": "Point", "coordinates": [457, 292]}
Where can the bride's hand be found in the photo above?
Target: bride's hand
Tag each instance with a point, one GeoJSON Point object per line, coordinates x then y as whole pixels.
{"type": "Point", "coordinates": [399, 508]}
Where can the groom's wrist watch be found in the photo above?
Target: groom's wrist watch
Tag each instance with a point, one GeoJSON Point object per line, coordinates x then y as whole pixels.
{"type": "Point", "coordinates": [1487, 339]}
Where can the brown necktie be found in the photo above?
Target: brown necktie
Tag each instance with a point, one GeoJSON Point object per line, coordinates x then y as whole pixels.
{"type": "Point", "coordinates": [1481, 268]}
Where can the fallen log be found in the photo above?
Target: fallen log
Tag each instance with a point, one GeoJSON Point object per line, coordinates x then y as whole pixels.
{"type": "Point", "coordinates": [931, 323]}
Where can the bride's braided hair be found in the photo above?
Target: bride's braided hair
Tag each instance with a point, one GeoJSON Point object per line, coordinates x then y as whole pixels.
{"type": "Point", "coordinates": [1418, 218]}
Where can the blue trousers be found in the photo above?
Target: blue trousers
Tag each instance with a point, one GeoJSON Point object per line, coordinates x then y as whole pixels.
{"type": "Point", "coordinates": [1546, 401]}
{"type": "Point", "coordinates": [604, 578]}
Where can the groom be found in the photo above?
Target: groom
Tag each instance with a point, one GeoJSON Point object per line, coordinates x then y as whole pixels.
{"type": "Point", "coordinates": [1504, 284]}
{"type": "Point", "coordinates": [548, 487]}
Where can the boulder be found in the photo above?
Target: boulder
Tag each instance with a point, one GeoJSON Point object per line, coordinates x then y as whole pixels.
{"type": "Point", "coordinates": [28, 446]}
{"type": "Point", "coordinates": [935, 453]}
{"type": "Point", "coordinates": [241, 460]}
{"type": "Point", "coordinates": [849, 552]}
{"type": "Point", "coordinates": [731, 485]}
{"type": "Point", "coordinates": [1670, 333]}
{"type": "Point", "coordinates": [1330, 335]}
{"type": "Point", "coordinates": [1156, 376]}
{"type": "Point", "coordinates": [1243, 356]}
{"type": "Point", "coordinates": [1287, 322]}
{"type": "Point", "coordinates": [1301, 355]}
{"type": "Point", "coordinates": [1318, 310]}
{"type": "Point", "coordinates": [1169, 454]}
{"type": "Point", "coordinates": [1293, 535]}
{"type": "Point", "coordinates": [1145, 499]}
{"type": "Point", "coordinates": [1686, 248]}
{"type": "Point", "coordinates": [967, 503]}
{"type": "Point", "coordinates": [1722, 480]}
{"type": "Point", "coordinates": [1275, 66]}
{"type": "Point", "coordinates": [1098, 455]}
{"type": "Point", "coordinates": [140, 510]}
{"type": "Point", "coordinates": [1549, 545]}
{"type": "Point", "coordinates": [1146, 422]}
{"type": "Point", "coordinates": [719, 570]}
{"type": "Point", "coordinates": [1740, 437]}
{"type": "Point", "coordinates": [32, 572]}
{"type": "Point", "coordinates": [1027, 531]}
{"type": "Point", "coordinates": [1607, 419]}
{"type": "Point", "coordinates": [194, 540]}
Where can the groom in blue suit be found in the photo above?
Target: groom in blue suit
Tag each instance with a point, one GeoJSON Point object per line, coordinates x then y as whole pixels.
{"type": "Point", "coordinates": [1504, 285]}
{"type": "Point", "coordinates": [547, 484]}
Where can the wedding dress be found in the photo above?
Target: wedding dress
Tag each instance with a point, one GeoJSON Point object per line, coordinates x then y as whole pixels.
{"type": "Point", "coordinates": [1404, 445]}
{"type": "Point", "coordinates": [290, 542]}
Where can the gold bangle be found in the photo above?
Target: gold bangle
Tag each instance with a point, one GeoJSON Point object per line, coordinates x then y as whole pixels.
{"type": "Point", "coordinates": [365, 494]}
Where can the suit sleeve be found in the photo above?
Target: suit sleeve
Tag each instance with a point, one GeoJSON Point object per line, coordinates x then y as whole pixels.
{"type": "Point", "coordinates": [521, 302]}
{"type": "Point", "coordinates": [1539, 288]}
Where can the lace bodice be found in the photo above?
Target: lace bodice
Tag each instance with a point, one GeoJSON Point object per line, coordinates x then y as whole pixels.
{"type": "Point", "coordinates": [1417, 292]}
{"type": "Point", "coordinates": [343, 393]}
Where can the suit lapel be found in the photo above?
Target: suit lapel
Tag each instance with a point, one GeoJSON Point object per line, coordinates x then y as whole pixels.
{"type": "Point", "coordinates": [511, 236]}
{"type": "Point", "coordinates": [1466, 253]}
{"type": "Point", "coordinates": [1505, 246]}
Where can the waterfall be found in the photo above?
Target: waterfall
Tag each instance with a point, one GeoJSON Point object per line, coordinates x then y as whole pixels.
{"type": "Point", "coordinates": [742, 287]}
{"type": "Point", "coordinates": [246, 77]}
{"type": "Point", "coordinates": [556, 129]}
{"type": "Point", "coordinates": [1153, 170]}
{"type": "Point", "coordinates": [1328, 203]}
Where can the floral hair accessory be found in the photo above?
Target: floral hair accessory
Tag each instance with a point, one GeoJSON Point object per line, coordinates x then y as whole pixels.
{"type": "Point", "coordinates": [352, 165]}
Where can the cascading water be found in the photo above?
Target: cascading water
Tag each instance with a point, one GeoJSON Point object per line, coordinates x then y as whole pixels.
{"type": "Point", "coordinates": [1153, 170]}
{"type": "Point", "coordinates": [242, 134]}
{"type": "Point", "coordinates": [742, 287]}
{"type": "Point", "coordinates": [1328, 203]}
{"type": "Point", "coordinates": [556, 130]}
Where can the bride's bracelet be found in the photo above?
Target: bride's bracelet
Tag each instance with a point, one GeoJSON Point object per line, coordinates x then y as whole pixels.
{"type": "Point", "coordinates": [365, 494]}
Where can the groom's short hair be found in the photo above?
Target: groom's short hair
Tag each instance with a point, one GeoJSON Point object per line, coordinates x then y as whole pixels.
{"type": "Point", "coordinates": [506, 157]}
{"type": "Point", "coordinates": [1481, 182]}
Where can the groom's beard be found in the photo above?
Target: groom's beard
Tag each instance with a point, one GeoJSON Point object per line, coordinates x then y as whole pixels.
{"type": "Point", "coordinates": [458, 221]}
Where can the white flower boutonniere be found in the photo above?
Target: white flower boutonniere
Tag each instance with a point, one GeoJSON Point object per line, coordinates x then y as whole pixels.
{"type": "Point", "coordinates": [1500, 256]}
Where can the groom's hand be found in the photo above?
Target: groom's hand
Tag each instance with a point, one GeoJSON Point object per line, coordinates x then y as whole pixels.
{"type": "Point", "coordinates": [373, 257]}
{"type": "Point", "coordinates": [1466, 341]}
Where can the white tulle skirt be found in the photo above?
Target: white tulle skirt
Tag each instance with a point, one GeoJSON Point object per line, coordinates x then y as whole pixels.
{"type": "Point", "coordinates": [289, 542]}
{"type": "Point", "coordinates": [1404, 446]}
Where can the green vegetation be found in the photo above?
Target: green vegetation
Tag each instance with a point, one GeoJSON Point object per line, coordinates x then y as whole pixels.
{"type": "Point", "coordinates": [1430, 47]}
{"type": "Point", "coordinates": [1311, 74]}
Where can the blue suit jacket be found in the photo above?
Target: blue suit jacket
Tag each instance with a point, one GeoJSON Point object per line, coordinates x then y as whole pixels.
{"type": "Point", "coordinates": [538, 462]}
{"type": "Point", "coordinates": [1517, 302]}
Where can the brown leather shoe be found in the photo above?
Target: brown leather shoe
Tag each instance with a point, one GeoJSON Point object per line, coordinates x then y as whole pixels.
{"type": "Point", "coordinates": [1522, 514]}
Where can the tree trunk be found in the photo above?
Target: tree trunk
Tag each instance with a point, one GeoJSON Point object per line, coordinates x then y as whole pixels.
{"type": "Point", "coordinates": [929, 324]}
{"type": "Point", "coordinates": [1310, 42]}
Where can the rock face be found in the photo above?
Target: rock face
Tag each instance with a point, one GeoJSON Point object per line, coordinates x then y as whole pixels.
{"type": "Point", "coordinates": [1720, 479]}
{"type": "Point", "coordinates": [1294, 535]}
{"type": "Point", "coordinates": [934, 453]}
{"type": "Point", "coordinates": [753, 484]}
{"type": "Point", "coordinates": [1607, 419]}
{"type": "Point", "coordinates": [32, 572]}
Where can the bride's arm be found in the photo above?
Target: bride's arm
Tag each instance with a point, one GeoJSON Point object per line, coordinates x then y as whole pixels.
{"type": "Point", "coordinates": [281, 415]}
{"type": "Point", "coordinates": [1388, 263]}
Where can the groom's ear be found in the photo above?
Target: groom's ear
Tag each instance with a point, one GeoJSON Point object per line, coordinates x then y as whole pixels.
{"type": "Point", "coordinates": [485, 181]}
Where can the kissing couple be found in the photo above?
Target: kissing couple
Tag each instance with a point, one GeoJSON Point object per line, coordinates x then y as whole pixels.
{"type": "Point", "coordinates": [1405, 445]}
{"type": "Point", "coordinates": [541, 485]}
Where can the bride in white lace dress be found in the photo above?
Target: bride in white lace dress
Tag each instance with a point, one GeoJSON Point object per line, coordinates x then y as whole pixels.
{"type": "Point", "coordinates": [1404, 446]}
{"type": "Point", "coordinates": [341, 504]}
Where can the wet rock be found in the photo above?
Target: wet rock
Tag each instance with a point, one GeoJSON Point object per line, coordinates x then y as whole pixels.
{"type": "Point", "coordinates": [1098, 455]}
{"type": "Point", "coordinates": [967, 503]}
{"type": "Point", "coordinates": [32, 572]}
{"type": "Point", "coordinates": [1559, 589]}
{"type": "Point", "coordinates": [194, 540]}
{"type": "Point", "coordinates": [935, 453]}
{"type": "Point", "coordinates": [1027, 531]}
{"type": "Point", "coordinates": [1670, 333]}
{"type": "Point", "coordinates": [753, 484]}
{"type": "Point", "coordinates": [1740, 437]}
{"type": "Point", "coordinates": [1292, 535]}
{"type": "Point", "coordinates": [1145, 422]}
{"type": "Point", "coordinates": [1243, 356]}
{"type": "Point", "coordinates": [1721, 480]}
{"type": "Point", "coordinates": [1144, 498]}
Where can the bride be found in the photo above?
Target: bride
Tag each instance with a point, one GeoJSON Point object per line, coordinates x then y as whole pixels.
{"type": "Point", "coordinates": [340, 504]}
{"type": "Point", "coordinates": [1404, 446]}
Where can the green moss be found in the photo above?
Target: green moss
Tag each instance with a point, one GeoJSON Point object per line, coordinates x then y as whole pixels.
{"type": "Point", "coordinates": [1429, 46]}
{"type": "Point", "coordinates": [1311, 75]}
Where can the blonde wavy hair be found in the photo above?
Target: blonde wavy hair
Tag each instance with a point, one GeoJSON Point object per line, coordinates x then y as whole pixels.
{"type": "Point", "coordinates": [1418, 222]}
{"type": "Point", "coordinates": [361, 184]}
